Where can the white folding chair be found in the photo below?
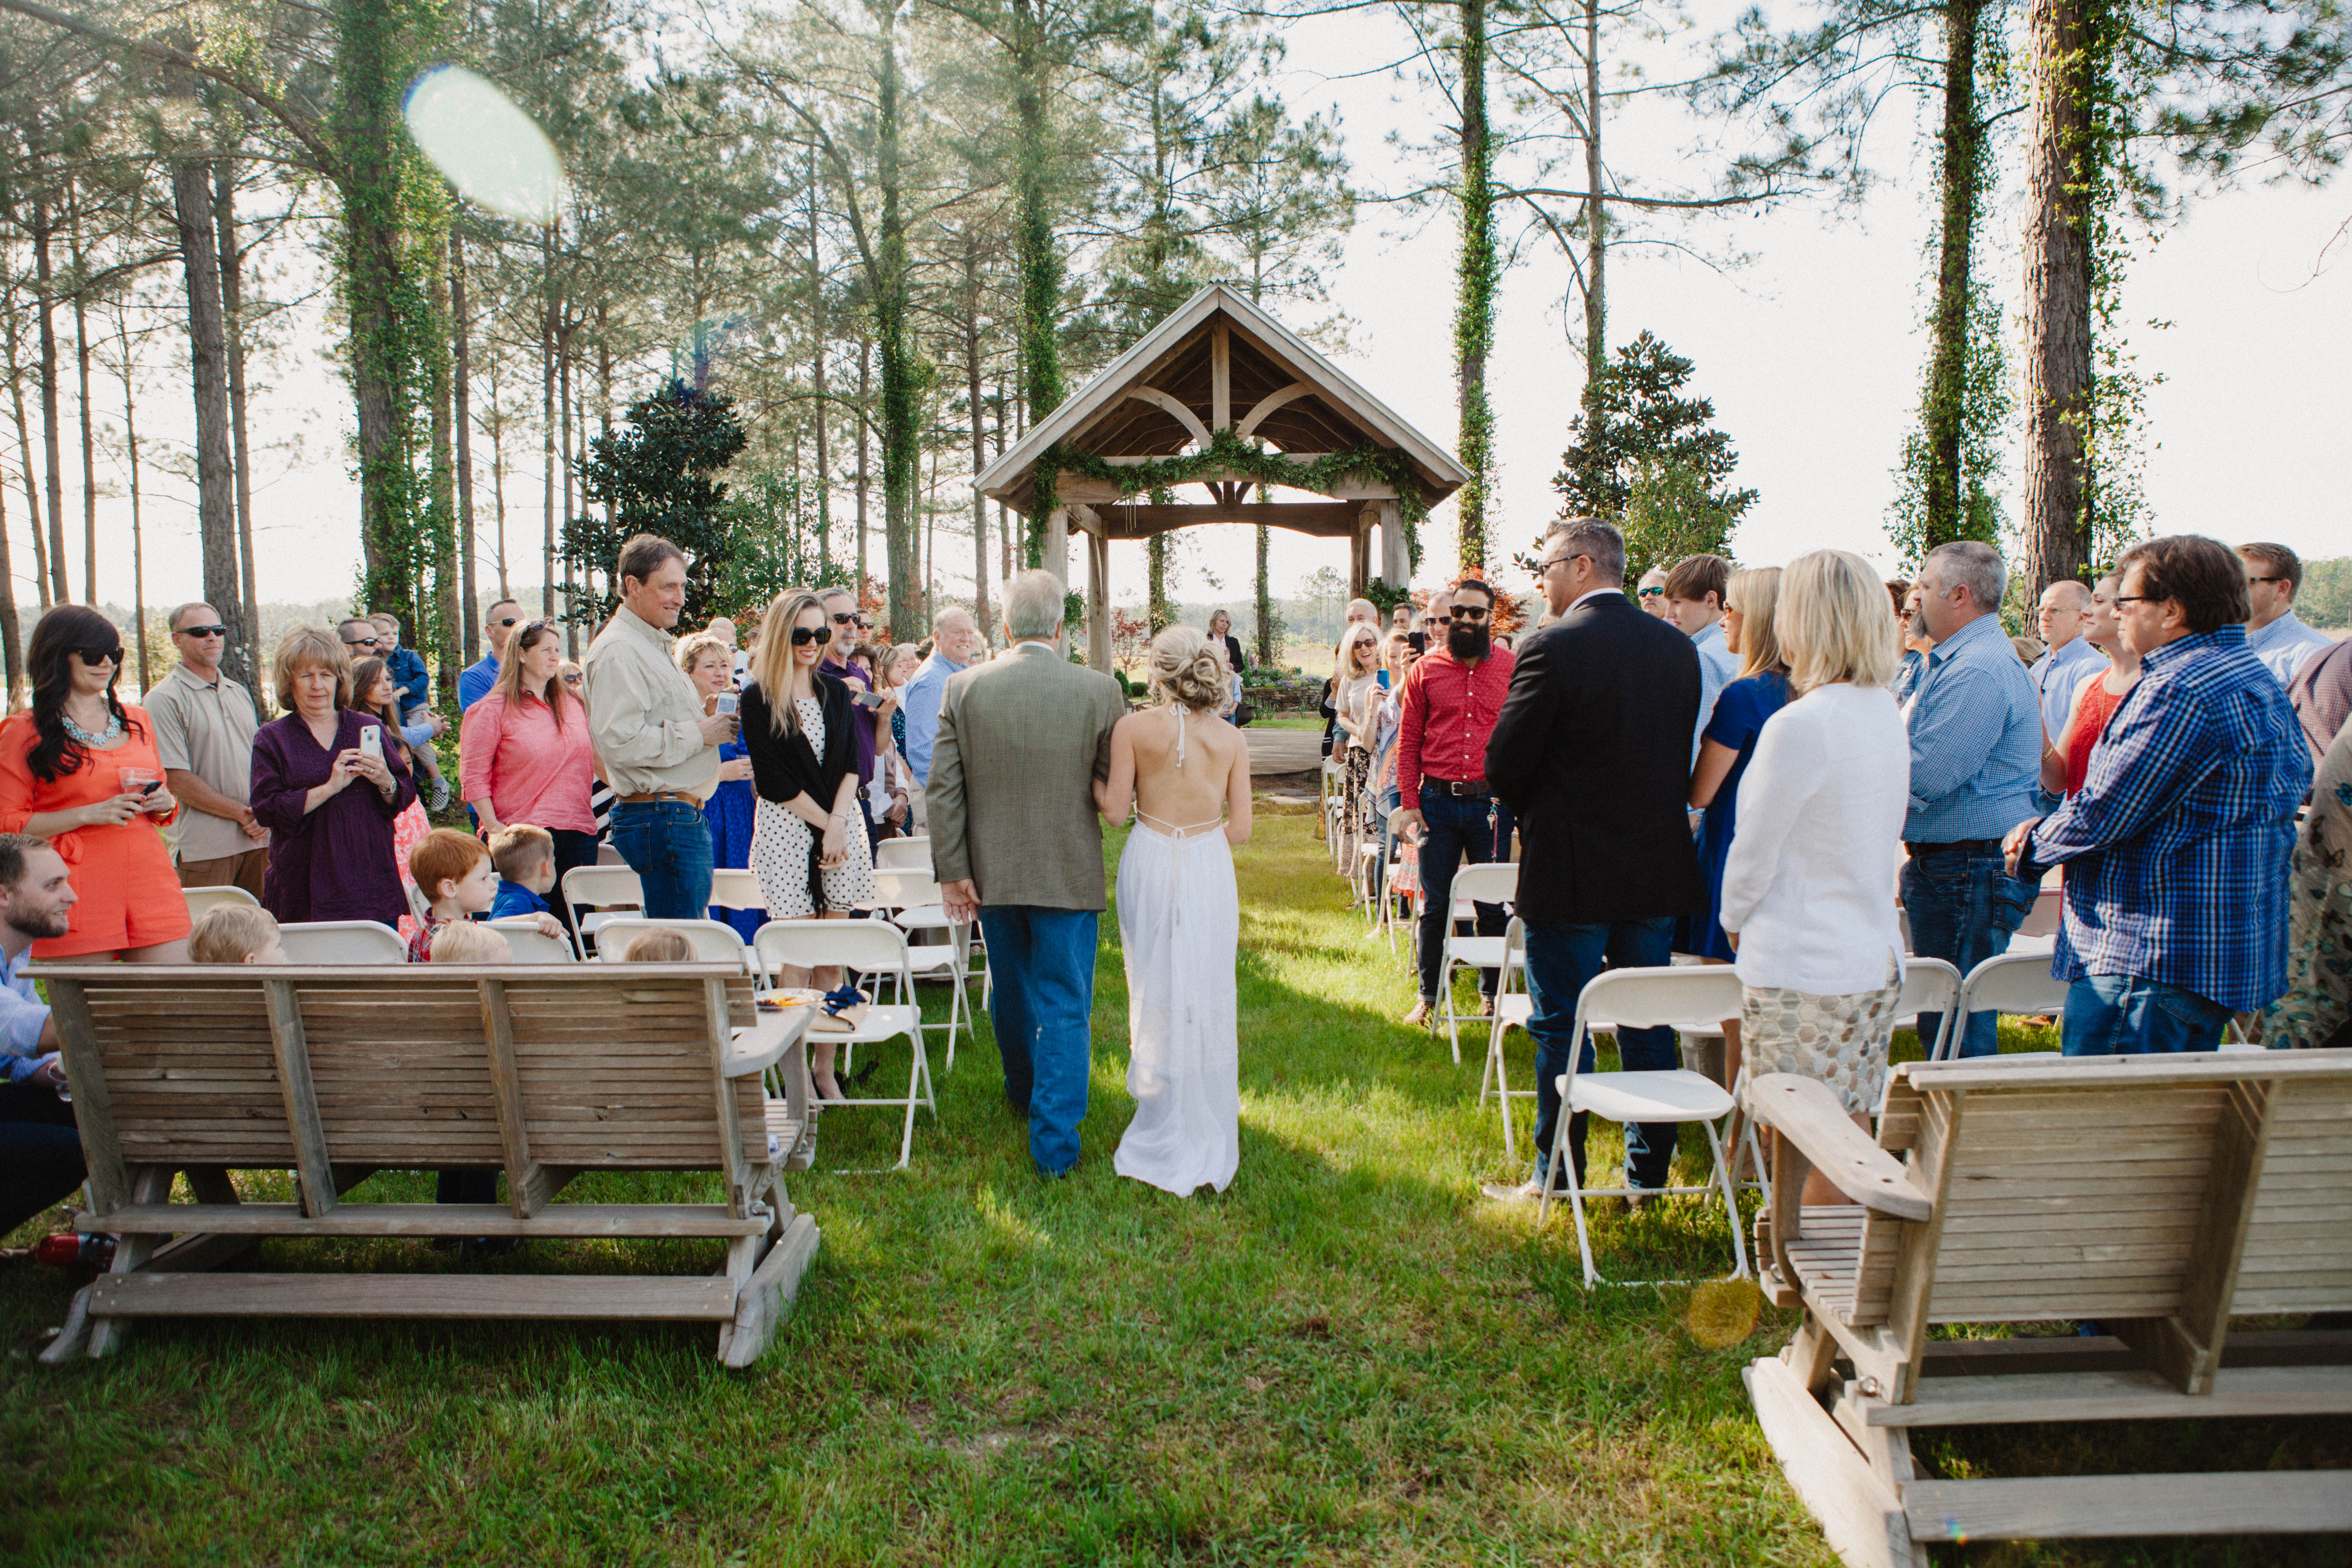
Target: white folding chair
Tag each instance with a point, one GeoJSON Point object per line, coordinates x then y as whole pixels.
{"type": "Point", "coordinates": [533, 945]}
{"type": "Point", "coordinates": [872, 947]}
{"type": "Point", "coordinates": [735, 887]}
{"type": "Point", "coordinates": [342, 942]}
{"type": "Point", "coordinates": [1497, 882]}
{"type": "Point", "coordinates": [420, 908]}
{"type": "Point", "coordinates": [1681, 996]}
{"type": "Point", "coordinates": [602, 889]}
{"type": "Point", "coordinates": [2011, 983]}
{"type": "Point", "coordinates": [1512, 1010]}
{"type": "Point", "coordinates": [714, 941]}
{"type": "Point", "coordinates": [914, 904]}
{"type": "Point", "coordinates": [903, 855]}
{"type": "Point", "coordinates": [1929, 985]}
{"type": "Point", "coordinates": [1335, 805]}
{"type": "Point", "coordinates": [202, 902]}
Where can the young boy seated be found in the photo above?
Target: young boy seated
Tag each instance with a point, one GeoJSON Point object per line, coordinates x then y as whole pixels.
{"type": "Point", "coordinates": [525, 857]}
{"type": "Point", "coordinates": [659, 947]}
{"type": "Point", "coordinates": [413, 698]}
{"type": "Point", "coordinates": [236, 933]}
{"type": "Point", "coordinates": [463, 942]}
{"type": "Point", "coordinates": [458, 881]}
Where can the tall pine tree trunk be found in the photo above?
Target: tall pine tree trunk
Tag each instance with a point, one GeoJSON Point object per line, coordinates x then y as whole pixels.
{"type": "Point", "coordinates": [232, 314]}
{"type": "Point", "coordinates": [547, 426]}
{"type": "Point", "coordinates": [1032, 220]}
{"type": "Point", "coordinates": [191, 206]}
{"type": "Point", "coordinates": [1266, 601]}
{"type": "Point", "coordinates": [2059, 179]}
{"type": "Point", "coordinates": [900, 433]}
{"type": "Point", "coordinates": [10, 323]}
{"type": "Point", "coordinates": [864, 395]}
{"type": "Point", "coordinates": [462, 401]}
{"type": "Point", "coordinates": [437, 377]}
{"type": "Point", "coordinates": [979, 430]}
{"type": "Point", "coordinates": [138, 539]}
{"type": "Point", "coordinates": [11, 633]}
{"type": "Point", "coordinates": [81, 371]}
{"type": "Point", "coordinates": [1962, 157]}
{"type": "Point", "coordinates": [43, 292]}
{"type": "Point", "coordinates": [564, 392]}
{"type": "Point", "coordinates": [1476, 273]}
{"type": "Point", "coordinates": [1596, 219]}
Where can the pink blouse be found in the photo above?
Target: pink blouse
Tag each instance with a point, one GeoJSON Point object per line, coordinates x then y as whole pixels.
{"type": "Point", "coordinates": [531, 769]}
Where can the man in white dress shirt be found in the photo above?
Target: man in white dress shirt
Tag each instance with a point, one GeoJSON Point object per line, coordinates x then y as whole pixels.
{"type": "Point", "coordinates": [2273, 633]}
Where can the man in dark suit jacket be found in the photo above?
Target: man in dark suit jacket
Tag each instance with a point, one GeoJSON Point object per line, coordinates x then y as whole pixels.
{"type": "Point", "coordinates": [1592, 755]}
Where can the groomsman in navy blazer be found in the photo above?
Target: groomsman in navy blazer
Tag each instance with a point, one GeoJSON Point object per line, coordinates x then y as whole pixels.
{"type": "Point", "coordinates": [1592, 755]}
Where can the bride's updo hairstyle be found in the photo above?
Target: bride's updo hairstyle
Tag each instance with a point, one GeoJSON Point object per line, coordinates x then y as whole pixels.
{"type": "Point", "coordinates": [1188, 669]}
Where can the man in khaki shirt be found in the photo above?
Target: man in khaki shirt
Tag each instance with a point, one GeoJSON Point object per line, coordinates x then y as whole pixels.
{"type": "Point", "coordinates": [203, 733]}
{"type": "Point", "coordinates": [660, 751]}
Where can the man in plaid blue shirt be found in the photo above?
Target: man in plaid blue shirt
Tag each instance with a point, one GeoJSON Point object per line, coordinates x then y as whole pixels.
{"type": "Point", "coordinates": [2178, 844]}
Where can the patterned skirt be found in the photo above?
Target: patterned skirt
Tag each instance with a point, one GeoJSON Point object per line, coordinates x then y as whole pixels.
{"type": "Point", "coordinates": [1841, 1040]}
{"type": "Point", "coordinates": [2319, 1001]}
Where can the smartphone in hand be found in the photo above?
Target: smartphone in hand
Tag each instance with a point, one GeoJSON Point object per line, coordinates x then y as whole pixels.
{"type": "Point", "coordinates": [868, 699]}
{"type": "Point", "coordinates": [371, 741]}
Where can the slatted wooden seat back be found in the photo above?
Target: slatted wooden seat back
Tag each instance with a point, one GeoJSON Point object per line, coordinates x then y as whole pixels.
{"type": "Point", "coordinates": [2156, 1198]}
{"type": "Point", "coordinates": [540, 1072]}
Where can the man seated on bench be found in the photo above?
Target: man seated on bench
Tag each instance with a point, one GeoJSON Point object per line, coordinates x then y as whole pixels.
{"type": "Point", "coordinates": [40, 1151]}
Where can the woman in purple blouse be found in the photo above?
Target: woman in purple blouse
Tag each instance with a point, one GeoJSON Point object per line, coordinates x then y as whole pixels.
{"type": "Point", "coordinates": [327, 799]}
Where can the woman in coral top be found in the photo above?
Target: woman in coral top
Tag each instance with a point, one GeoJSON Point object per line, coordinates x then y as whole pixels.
{"type": "Point", "coordinates": [80, 770]}
{"type": "Point", "coordinates": [2066, 756]}
{"type": "Point", "coordinates": [523, 753]}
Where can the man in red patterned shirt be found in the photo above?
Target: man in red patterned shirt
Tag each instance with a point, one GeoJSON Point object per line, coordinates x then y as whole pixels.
{"type": "Point", "coordinates": [1452, 698]}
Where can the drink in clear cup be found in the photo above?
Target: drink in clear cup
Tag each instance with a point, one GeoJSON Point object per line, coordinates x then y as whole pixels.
{"type": "Point", "coordinates": [136, 780]}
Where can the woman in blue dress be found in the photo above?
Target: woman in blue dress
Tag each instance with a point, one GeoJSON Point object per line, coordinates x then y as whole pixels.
{"type": "Point", "coordinates": [709, 662]}
{"type": "Point", "coordinates": [1729, 740]}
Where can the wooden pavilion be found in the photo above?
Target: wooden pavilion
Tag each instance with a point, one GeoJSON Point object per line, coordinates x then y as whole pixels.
{"type": "Point", "coordinates": [1219, 365]}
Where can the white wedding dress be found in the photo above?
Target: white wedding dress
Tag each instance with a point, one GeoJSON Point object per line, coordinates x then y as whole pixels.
{"type": "Point", "coordinates": [1179, 924]}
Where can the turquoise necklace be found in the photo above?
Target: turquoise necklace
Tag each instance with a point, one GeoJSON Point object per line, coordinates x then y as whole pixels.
{"type": "Point", "coordinates": [113, 730]}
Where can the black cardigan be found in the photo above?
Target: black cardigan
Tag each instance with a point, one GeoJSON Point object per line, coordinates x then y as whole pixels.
{"type": "Point", "coordinates": [785, 765]}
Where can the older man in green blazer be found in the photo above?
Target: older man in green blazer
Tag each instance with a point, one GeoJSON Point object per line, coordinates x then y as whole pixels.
{"type": "Point", "coordinates": [1015, 841]}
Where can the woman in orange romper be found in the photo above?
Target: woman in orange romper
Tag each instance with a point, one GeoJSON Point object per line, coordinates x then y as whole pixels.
{"type": "Point", "coordinates": [79, 769]}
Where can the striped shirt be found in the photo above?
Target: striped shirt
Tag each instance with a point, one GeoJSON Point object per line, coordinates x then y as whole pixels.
{"type": "Point", "coordinates": [2178, 845]}
{"type": "Point", "coordinates": [1976, 739]}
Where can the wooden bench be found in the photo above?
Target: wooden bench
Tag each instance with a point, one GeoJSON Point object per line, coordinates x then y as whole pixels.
{"type": "Point", "coordinates": [2158, 1196]}
{"type": "Point", "coordinates": [335, 1072]}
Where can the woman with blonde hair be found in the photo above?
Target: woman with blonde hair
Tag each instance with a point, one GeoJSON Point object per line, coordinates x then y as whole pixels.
{"type": "Point", "coordinates": [808, 839]}
{"type": "Point", "coordinates": [1808, 892]}
{"type": "Point", "coordinates": [1355, 703]}
{"type": "Point", "coordinates": [327, 792]}
{"type": "Point", "coordinates": [1185, 776]}
{"type": "Point", "coordinates": [1727, 743]}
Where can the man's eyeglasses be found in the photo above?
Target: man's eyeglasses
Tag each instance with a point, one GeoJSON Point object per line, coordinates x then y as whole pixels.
{"type": "Point", "coordinates": [1639, 594]}
{"type": "Point", "coordinates": [2270, 579]}
{"type": "Point", "coordinates": [362, 642]}
{"type": "Point", "coordinates": [506, 620]}
{"type": "Point", "coordinates": [1437, 620]}
{"type": "Point", "coordinates": [804, 636]}
{"type": "Point", "coordinates": [1469, 613]}
{"type": "Point", "coordinates": [2136, 599]}
{"type": "Point", "coordinates": [843, 620]}
{"type": "Point", "coordinates": [202, 632]}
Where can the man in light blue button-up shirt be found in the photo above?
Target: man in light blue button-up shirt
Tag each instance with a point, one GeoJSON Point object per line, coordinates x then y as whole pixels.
{"type": "Point", "coordinates": [41, 1152]}
{"type": "Point", "coordinates": [955, 644]}
{"type": "Point", "coordinates": [1975, 755]}
{"type": "Point", "coordinates": [2059, 673]}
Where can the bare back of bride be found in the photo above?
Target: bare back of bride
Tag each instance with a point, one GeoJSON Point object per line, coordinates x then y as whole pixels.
{"type": "Point", "coordinates": [1184, 773]}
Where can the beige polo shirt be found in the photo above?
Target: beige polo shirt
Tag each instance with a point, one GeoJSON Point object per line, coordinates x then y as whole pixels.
{"type": "Point", "coordinates": [644, 713]}
{"type": "Point", "coordinates": [207, 731]}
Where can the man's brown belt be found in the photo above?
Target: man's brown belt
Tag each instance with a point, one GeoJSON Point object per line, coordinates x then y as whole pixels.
{"type": "Point", "coordinates": [653, 797]}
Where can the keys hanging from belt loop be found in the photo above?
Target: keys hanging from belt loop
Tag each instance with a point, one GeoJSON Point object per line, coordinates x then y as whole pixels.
{"type": "Point", "coordinates": [1495, 827]}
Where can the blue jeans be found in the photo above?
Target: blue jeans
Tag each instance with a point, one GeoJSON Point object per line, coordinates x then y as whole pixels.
{"type": "Point", "coordinates": [1964, 907]}
{"type": "Point", "coordinates": [1042, 965]}
{"type": "Point", "coordinates": [1561, 959]}
{"type": "Point", "coordinates": [2124, 1015]}
{"type": "Point", "coordinates": [1457, 830]}
{"type": "Point", "coordinates": [667, 845]}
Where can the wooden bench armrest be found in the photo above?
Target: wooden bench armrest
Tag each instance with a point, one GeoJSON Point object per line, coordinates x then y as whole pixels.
{"type": "Point", "coordinates": [765, 1043]}
{"type": "Point", "coordinates": [1804, 1111]}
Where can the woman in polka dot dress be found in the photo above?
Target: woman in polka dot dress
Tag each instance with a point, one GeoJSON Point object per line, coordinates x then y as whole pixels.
{"type": "Point", "coordinates": [808, 841]}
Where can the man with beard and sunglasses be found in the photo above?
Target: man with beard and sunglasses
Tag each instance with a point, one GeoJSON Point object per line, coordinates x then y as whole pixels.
{"type": "Point", "coordinates": [660, 751]}
{"type": "Point", "coordinates": [1452, 698]}
{"type": "Point", "coordinates": [41, 1152]}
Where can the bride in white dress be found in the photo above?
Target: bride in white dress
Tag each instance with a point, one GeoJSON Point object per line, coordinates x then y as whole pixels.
{"type": "Point", "coordinates": [1186, 772]}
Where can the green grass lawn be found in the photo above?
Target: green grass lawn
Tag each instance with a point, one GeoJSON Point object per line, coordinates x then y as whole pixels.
{"type": "Point", "coordinates": [1343, 1358]}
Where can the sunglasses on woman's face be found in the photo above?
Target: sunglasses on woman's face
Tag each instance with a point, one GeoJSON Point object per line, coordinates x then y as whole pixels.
{"type": "Point", "coordinates": [804, 636]}
{"type": "Point", "coordinates": [94, 657]}
{"type": "Point", "coordinates": [573, 679]}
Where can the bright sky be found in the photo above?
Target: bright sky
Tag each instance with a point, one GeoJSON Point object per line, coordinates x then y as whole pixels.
{"type": "Point", "coordinates": [1811, 354]}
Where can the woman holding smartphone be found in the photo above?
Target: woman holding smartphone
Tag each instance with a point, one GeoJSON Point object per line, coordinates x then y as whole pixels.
{"type": "Point", "coordinates": [327, 794]}
{"type": "Point", "coordinates": [79, 769]}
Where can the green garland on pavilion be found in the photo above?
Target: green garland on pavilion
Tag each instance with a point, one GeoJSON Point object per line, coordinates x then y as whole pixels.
{"type": "Point", "coordinates": [1228, 453]}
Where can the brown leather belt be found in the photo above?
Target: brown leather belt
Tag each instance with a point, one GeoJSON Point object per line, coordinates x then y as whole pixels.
{"type": "Point", "coordinates": [654, 797]}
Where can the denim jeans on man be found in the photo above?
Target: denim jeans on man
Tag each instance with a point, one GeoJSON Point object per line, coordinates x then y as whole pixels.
{"type": "Point", "coordinates": [667, 844]}
{"type": "Point", "coordinates": [1042, 965]}
{"type": "Point", "coordinates": [1963, 908]}
{"type": "Point", "coordinates": [1457, 829]}
{"type": "Point", "coordinates": [40, 1153]}
{"type": "Point", "coordinates": [1561, 959]}
{"type": "Point", "coordinates": [2127, 1015]}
